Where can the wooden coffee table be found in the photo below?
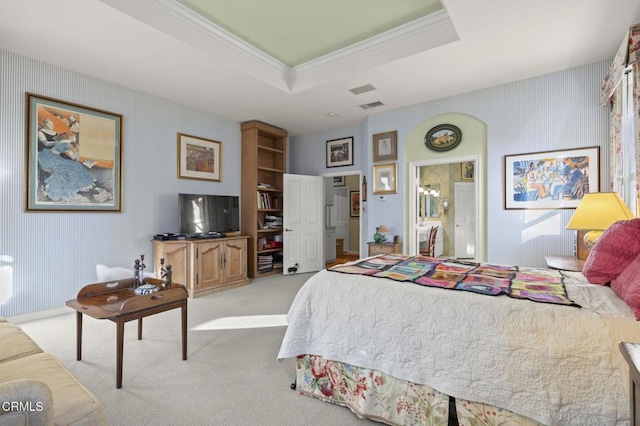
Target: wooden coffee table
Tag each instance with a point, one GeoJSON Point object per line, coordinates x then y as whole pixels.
{"type": "Point", "coordinates": [116, 301]}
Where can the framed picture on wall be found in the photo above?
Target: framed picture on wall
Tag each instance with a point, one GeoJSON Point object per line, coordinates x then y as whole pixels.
{"type": "Point", "coordinates": [73, 157]}
{"type": "Point", "coordinates": [552, 179]}
{"type": "Point", "coordinates": [385, 147]}
{"type": "Point", "coordinates": [385, 179]}
{"type": "Point", "coordinates": [467, 170]}
{"type": "Point", "coordinates": [338, 181]}
{"type": "Point", "coordinates": [355, 203]}
{"type": "Point", "coordinates": [340, 152]}
{"type": "Point", "coordinates": [443, 137]}
{"type": "Point", "coordinates": [199, 158]}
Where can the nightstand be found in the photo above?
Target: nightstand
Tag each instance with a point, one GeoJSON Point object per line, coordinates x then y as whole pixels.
{"type": "Point", "coordinates": [631, 353]}
{"type": "Point", "coordinates": [384, 248]}
{"type": "Point", "coordinates": [565, 263]}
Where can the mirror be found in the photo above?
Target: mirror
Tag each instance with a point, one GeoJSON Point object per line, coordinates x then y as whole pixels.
{"type": "Point", "coordinates": [431, 193]}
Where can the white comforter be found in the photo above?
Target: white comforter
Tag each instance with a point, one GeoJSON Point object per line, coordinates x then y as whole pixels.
{"type": "Point", "coordinates": [559, 365]}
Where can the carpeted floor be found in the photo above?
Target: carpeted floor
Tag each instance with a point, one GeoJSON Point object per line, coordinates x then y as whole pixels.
{"type": "Point", "coordinates": [231, 376]}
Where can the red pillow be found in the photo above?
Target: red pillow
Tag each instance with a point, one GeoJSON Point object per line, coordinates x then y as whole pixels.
{"type": "Point", "coordinates": [613, 251]}
{"type": "Point", "coordinates": [627, 285]}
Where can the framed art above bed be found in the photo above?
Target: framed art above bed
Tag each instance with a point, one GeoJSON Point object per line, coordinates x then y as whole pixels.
{"type": "Point", "coordinates": [552, 179]}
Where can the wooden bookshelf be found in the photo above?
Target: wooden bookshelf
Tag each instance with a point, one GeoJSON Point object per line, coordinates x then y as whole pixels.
{"type": "Point", "coordinates": [263, 168]}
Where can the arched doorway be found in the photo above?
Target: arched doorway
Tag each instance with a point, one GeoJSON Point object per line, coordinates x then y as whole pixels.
{"type": "Point", "coordinates": [472, 147]}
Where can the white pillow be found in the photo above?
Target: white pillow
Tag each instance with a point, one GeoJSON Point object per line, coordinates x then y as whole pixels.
{"type": "Point", "coordinates": [106, 273]}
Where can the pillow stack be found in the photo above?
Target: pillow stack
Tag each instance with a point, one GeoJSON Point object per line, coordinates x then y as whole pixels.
{"type": "Point", "coordinates": [615, 259]}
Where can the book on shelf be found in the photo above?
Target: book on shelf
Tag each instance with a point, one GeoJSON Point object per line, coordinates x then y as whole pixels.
{"type": "Point", "coordinates": [267, 201]}
{"type": "Point", "coordinates": [272, 221]}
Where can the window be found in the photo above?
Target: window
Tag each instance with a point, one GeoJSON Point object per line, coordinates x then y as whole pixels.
{"type": "Point", "coordinates": [628, 143]}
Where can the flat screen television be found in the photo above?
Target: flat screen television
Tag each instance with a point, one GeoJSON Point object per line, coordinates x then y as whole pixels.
{"type": "Point", "coordinates": [201, 214]}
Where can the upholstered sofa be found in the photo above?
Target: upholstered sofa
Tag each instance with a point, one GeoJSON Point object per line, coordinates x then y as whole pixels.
{"type": "Point", "coordinates": [37, 389]}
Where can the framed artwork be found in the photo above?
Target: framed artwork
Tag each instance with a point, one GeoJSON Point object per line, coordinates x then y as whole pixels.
{"type": "Point", "coordinates": [199, 158]}
{"type": "Point", "coordinates": [338, 181]}
{"type": "Point", "coordinates": [443, 137]}
{"type": "Point", "coordinates": [385, 147]}
{"type": "Point", "coordinates": [73, 157]}
{"type": "Point", "coordinates": [355, 203]}
{"type": "Point", "coordinates": [340, 152]}
{"type": "Point", "coordinates": [552, 179]}
{"type": "Point", "coordinates": [385, 179]}
{"type": "Point", "coordinates": [467, 170]}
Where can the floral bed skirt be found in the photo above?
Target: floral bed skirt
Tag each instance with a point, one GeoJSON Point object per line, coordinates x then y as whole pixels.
{"type": "Point", "coordinates": [378, 396]}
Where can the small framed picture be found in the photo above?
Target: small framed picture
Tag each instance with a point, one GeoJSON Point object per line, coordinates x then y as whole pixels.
{"type": "Point", "coordinates": [385, 147]}
{"type": "Point", "coordinates": [385, 179]}
{"type": "Point", "coordinates": [338, 181]}
{"type": "Point", "coordinates": [355, 203]}
{"type": "Point", "coordinates": [340, 152]}
{"type": "Point", "coordinates": [467, 170]}
{"type": "Point", "coordinates": [199, 158]}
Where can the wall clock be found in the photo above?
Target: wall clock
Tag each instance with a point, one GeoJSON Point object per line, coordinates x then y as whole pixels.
{"type": "Point", "coordinates": [443, 137]}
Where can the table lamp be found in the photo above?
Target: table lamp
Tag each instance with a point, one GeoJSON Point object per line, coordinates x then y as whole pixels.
{"type": "Point", "coordinates": [596, 212]}
{"type": "Point", "coordinates": [379, 236]}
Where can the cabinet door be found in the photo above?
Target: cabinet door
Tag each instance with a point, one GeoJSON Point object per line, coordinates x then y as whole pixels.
{"type": "Point", "coordinates": [209, 264]}
{"type": "Point", "coordinates": [176, 255]}
{"type": "Point", "coordinates": [235, 255]}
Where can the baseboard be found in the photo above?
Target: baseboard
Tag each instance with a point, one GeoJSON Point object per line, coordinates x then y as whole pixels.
{"type": "Point", "coordinates": [38, 315]}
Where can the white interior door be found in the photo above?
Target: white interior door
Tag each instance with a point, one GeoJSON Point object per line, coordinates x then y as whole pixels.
{"type": "Point", "coordinates": [303, 221]}
{"type": "Point", "coordinates": [340, 213]}
{"type": "Point", "coordinates": [465, 220]}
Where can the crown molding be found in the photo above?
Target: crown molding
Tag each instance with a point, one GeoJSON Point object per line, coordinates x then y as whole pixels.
{"type": "Point", "coordinates": [399, 34]}
{"type": "Point", "coordinates": [197, 21]}
{"type": "Point", "coordinates": [290, 75]}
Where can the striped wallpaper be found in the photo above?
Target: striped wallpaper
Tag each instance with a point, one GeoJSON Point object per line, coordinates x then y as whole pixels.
{"type": "Point", "coordinates": [549, 112]}
{"type": "Point", "coordinates": [56, 253]}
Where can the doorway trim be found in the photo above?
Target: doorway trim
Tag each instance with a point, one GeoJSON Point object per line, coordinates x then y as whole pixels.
{"type": "Point", "coordinates": [414, 182]}
{"type": "Point", "coordinates": [362, 210]}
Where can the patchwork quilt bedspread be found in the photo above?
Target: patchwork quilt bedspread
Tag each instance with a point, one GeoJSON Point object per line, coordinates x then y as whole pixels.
{"type": "Point", "coordinates": [555, 364]}
{"type": "Point", "coordinates": [537, 284]}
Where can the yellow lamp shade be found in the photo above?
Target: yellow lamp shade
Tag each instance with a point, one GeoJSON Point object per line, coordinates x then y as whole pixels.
{"type": "Point", "coordinates": [599, 210]}
{"type": "Point", "coordinates": [596, 212]}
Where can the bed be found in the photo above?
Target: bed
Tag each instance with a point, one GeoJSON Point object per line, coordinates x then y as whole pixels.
{"type": "Point", "coordinates": [405, 353]}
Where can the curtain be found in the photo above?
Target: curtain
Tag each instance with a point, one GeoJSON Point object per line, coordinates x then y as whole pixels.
{"type": "Point", "coordinates": [628, 55]}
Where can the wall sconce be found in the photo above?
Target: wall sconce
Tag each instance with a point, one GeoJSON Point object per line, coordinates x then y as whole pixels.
{"type": "Point", "coordinates": [6, 279]}
{"type": "Point", "coordinates": [363, 191]}
{"type": "Point", "coordinates": [445, 205]}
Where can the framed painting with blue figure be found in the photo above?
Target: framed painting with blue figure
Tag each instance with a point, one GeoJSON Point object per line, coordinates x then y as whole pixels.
{"type": "Point", "coordinates": [552, 179]}
{"type": "Point", "coordinates": [73, 155]}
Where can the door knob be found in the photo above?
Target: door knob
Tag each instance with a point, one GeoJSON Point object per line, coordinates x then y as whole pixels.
{"type": "Point", "coordinates": [288, 230]}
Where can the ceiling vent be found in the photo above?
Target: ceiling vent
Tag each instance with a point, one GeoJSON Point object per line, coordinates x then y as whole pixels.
{"type": "Point", "coordinates": [371, 105]}
{"type": "Point", "coordinates": [362, 89]}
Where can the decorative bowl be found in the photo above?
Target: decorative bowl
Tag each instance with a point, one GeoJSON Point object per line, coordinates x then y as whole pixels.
{"type": "Point", "coordinates": [146, 289]}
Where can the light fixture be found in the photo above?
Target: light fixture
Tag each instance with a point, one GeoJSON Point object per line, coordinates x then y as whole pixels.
{"type": "Point", "coordinates": [363, 191]}
{"type": "Point", "coordinates": [6, 279]}
{"type": "Point", "coordinates": [379, 236]}
{"type": "Point", "coordinates": [596, 212]}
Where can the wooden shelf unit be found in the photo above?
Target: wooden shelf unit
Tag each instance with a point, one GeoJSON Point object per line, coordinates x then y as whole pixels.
{"type": "Point", "coordinates": [263, 162]}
